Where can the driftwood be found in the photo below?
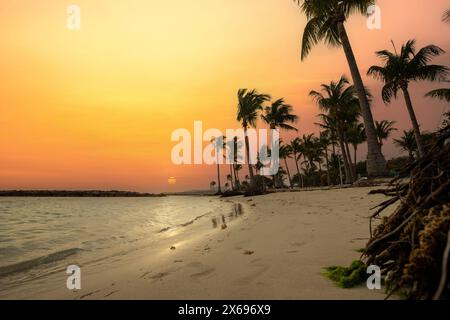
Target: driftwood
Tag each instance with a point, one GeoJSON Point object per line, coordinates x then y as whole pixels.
{"type": "Point", "coordinates": [411, 246]}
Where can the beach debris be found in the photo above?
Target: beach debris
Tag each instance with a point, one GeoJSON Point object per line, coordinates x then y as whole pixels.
{"type": "Point", "coordinates": [411, 246]}
{"type": "Point", "coordinates": [173, 248]}
{"type": "Point", "coordinates": [214, 222]}
{"type": "Point", "coordinates": [248, 252]}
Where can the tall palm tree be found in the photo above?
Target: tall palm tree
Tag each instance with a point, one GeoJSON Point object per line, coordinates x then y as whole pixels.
{"type": "Point", "coordinates": [384, 129]}
{"type": "Point", "coordinates": [219, 143]}
{"type": "Point", "coordinates": [249, 105]}
{"type": "Point", "coordinates": [279, 116]}
{"type": "Point", "coordinates": [297, 151]}
{"type": "Point", "coordinates": [400, 69]}
{"type": "Point", "coordinates": [325, 141]}
{"type": "Point", "coordinates": [285, 153]}
{"type": "Point", "coordinates": [326, 20]}
{"type": "Point", "coordinates": [356, 136]}
{"type": "Point", "coordinates": [338, 100]}
{"type": "Point", "coordinates": [408, 143]}
{"type": "Point", "coordinates": [310, 144]}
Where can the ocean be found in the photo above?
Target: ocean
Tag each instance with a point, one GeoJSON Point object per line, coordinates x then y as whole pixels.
{"type": "Point", "coordinates": [41, 236]}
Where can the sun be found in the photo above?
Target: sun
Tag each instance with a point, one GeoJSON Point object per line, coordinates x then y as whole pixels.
{"type": "Point", "coordinates": [172, 180]}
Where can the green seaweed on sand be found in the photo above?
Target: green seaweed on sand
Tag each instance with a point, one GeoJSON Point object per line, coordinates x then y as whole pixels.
{"type": "Point", "coordinates": [347, 277]}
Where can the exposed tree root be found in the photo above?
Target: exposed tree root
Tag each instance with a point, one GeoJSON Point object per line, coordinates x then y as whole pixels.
{"type": "Point", "coordinates": [411, 245]}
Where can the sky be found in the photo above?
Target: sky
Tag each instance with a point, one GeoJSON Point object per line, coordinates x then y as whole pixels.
{"type": "Point", "coordinates": [95, 108]}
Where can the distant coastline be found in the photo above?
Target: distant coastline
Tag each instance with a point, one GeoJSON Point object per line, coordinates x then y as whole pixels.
{"type": "Point", "coordinates": [75, 193]}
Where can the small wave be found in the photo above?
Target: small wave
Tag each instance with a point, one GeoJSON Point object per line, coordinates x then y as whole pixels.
{"type": "Point", "coordinates": [186, 223]}
{"type": "Point", "coordinates": [33, 263]}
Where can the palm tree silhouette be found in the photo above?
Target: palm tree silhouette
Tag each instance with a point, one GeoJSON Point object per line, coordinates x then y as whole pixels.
{"type": "Point", "coordinates": [356, 135]}
{"type": "Point", "coordinates": [325, 141]}
{"type": "Point", "coordinates": [384, 130]}
{"type": "Point", "coordinates": [408, 143]}
{"type": "Point", "coordinates": [219, 143]}
{"type": "Point", "coordinates": [326, 20]}
{"type": "Point", "coordinates": [286, 152]}
{"type": "Point", "coordinates": [400, 69]}
{"type": "Point", "coordinates": [297, 151]}
{"type": "Point", "coordinates": [278, 116]}
{"type": "Point", "coordinates": [339, 101]}
{"type": "Point", "coordinates": [249, 105]}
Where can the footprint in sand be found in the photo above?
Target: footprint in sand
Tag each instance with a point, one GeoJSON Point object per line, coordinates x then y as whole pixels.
{"type": "Point", "coordinates": [202, 270]}
{"type": "Point", "coordinates": [258, 270]}
{"type": "Point", "coordinates": [159, 276]}
{"type": "Point", "coordinates": [298, 244]}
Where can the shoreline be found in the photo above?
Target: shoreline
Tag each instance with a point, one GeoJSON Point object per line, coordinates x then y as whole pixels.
{"type": "Point", "coordinates": [279, 248]}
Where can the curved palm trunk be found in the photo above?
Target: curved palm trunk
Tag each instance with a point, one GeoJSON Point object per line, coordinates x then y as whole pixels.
{"type": "Point", "coordinates": [415, 124]}
{"type": "Point", "coordinates": [376, 163]}
{"type": "Point", "coordinates": [298, 170]}
{"type": "Point", "coordinates": [247, 154]}
{"type": "Point", "coordinates": [289, 174]}
{"type": "Point", "coordinates": [350, 162]}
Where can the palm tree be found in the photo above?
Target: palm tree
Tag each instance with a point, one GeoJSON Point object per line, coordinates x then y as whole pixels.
{"type": "Point", "coordinates": [326, 20]}
{"type": "Point", "coordinates": [339, 100]}
{"type": "Point", "coordinates": [286, 152]}
{"type": "Point", "coordinates": [219, 143]}
{"type": "Point", "coordinates": [278, 116]}
{"type": "Point", "coordinates": [325, 141]}
{"type": "Point", "coordinates": [356, 135]}
{"type": "Point", "coordinates": [297, 151]}
{"type": "Point", "coordinates": [384, 129]}
{"type": "Point", "coordinates": [308, 141]}
{"type": "Point", "coordinates": [407, 143]}
{"type": "Point", "coordinates": [249, 104]}
{"type": "Point", "coordinates": [400, 69]}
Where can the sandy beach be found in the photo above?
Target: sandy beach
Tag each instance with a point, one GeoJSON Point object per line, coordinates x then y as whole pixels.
{"type": "Point", "coordinates": [277, 249]}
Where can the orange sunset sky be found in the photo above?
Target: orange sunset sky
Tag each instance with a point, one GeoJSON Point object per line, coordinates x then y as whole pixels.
{"type": "Point", "coordinates": [95, 108]}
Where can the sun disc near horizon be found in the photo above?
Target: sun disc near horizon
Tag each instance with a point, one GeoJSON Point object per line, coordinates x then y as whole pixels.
{"type": "Point", "coordinates": [172, 180]}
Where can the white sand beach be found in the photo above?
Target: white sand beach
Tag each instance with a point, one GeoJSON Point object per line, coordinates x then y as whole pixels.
{"type": "Point", "coordinates": [276, 250]}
